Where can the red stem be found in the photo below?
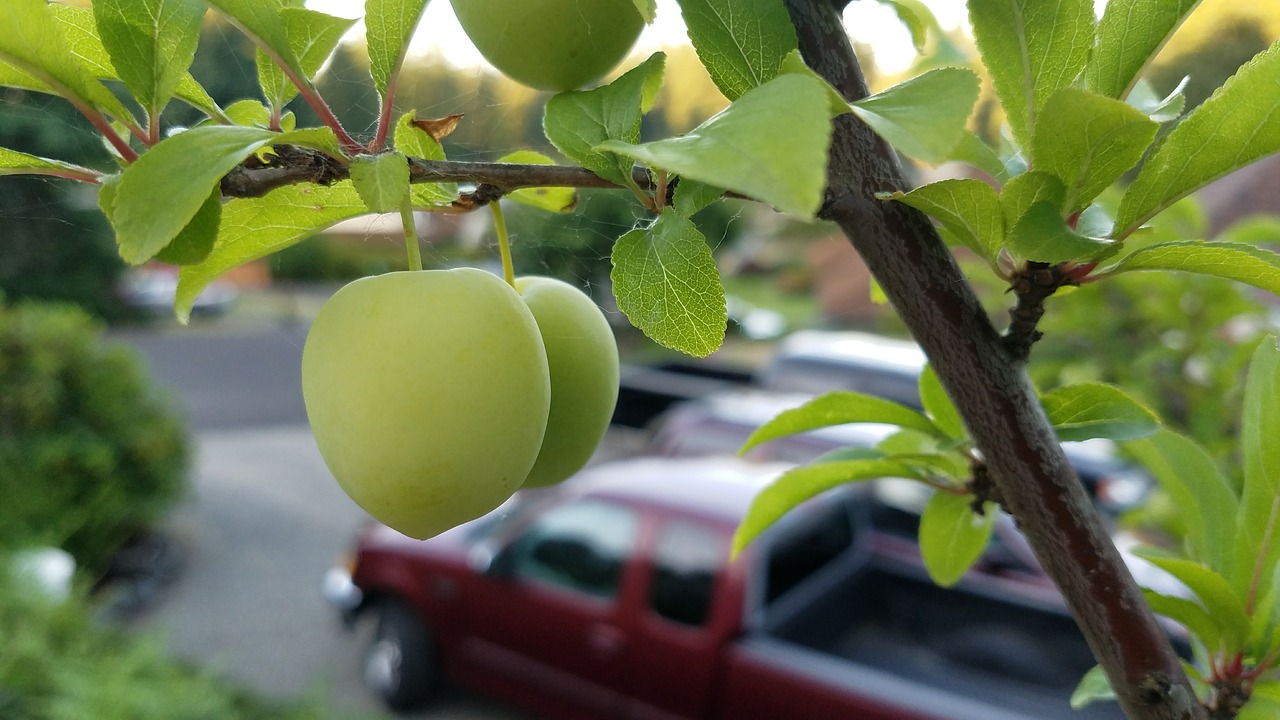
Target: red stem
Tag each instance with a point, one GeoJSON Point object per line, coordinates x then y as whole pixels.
{"type": "Point", "coordinates": [349, 144]}
{"type": "Point", "coordinates": [384, 118]}
{"type": "Point", "coordinates": [104, 126]}
{"type": "Point", "coordinates": [323, 111]}
{"type": "Point", "coordinates": [153, 131]}
{"type": "Point", "coordinates": [97, 119]}
{"type": "Point", "coordinates": [78, 174]}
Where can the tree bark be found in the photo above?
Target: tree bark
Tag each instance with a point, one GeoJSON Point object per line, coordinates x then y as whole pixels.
{"type": "Point", "coordinates": [992, 392]}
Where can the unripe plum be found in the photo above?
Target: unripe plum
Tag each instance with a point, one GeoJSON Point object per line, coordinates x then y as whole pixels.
{"type": "Point", "coordinates": [551, 44]}
{"type": "Point", "coordinates": [428, 394]}
{"type": "Point", "coordinates": [583, 360]}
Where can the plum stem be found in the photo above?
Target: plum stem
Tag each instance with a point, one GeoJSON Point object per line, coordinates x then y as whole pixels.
{"type": "Point", "coordinates": [504, 242]}
{"type": "Point", "coordinates": [410, 233]}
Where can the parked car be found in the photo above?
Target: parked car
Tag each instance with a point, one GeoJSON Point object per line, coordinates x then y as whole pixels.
{"type": "Point", "coordinates": [152, 290]}
{"type": "Point", "coordinates": [807, 362]}
{"type": "Point", "coordinates": [613, 595]}
{"type": "Point", "coordinates": [719, 424]}
{"type": "Point", "coordinates": [817, 361]}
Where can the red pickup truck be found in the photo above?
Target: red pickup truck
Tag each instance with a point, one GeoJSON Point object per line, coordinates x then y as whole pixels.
{"type": "Point", "coordinates": [613, 596]}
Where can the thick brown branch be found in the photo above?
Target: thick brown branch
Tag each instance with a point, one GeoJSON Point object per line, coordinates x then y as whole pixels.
{"type": "Point", "coordinates": [1032, 476]}
{"type": "Point", "coordinates": [292, 165]}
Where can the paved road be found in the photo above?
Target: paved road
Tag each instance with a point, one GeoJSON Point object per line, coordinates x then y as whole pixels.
{"type": "Point", "coordinates": [263, 522]}
{"type": "Point", "coordinates": [229, 375]}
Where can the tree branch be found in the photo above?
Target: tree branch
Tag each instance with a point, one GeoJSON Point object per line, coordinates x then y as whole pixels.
{"type": "Point", "coordinates": [292, 165]}
{"type": "Point", "coordinates": [992, 393]}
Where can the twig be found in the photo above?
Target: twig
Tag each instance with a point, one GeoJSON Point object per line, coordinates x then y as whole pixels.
{"type": "Point", "coordinates": [292, 165]}
{"type": "Point", "coordinates": [1032, 286]}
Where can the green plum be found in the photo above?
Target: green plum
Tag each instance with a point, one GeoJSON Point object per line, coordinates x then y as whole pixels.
{"type": "Point", "coordinates": [428, 394]}
{"type": "Point", "coordinates": [551, 44]}
{"type": "Point", "coordinates": [583, 360]}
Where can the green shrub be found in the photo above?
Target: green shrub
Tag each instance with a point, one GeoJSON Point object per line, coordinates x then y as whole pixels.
{"type": "Point", "coordinates": [325, 259]}
{"type": "Point", "coordinates": [57, 664]}
{"type": "Point", "coordinates": [89, 452]}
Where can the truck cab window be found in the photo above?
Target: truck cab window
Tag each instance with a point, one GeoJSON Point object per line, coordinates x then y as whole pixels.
{"type": "Point", "coordinates": [687, 558]}
{"type": "Point", "coordinates": [807, 548]}
{"type": "Point", "coordinates": [582, 547]}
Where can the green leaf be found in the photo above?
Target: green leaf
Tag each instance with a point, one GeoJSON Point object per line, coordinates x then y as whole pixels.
{"type": "Point", "coordinates": [151, 44]}
{"type": "Point", "coordinates": [80, 31]}
{"type": "Point", "coordinates": [551, 199]}
{"type": "Point", "coordinates": [195, 242]}
{"type": "Point", "coordinates": [390, 24]}
{"type": "Point", "coordinates": [31, 40]}
{"type": "Point", "coordinates": [1094, 221]}
{"type": "Point", "coordinates": [262, 21]}
{"type": "Point", "coordinates": [319, 138]}
{"type": "Point", "coordinates": [578, 122]}
{"type": "Point", "coordinates": [1238, 124]}
{"type": "Point", "coordinates": [1198, 621]}
{"type": "Point", "coordinates": [648, 10]}
{"type": "Point", "coordinates": [953, 536]}
{"type": "Point", "coordinates": [692, 196]}
{"type": "Point", "coordinates": [795, 486]}
{"type": "Point", "coordinates": [382, 180]}
{"type": "Point", "coordinates": [851, 452]}
{"type": "Point", "coordinates": [1214, 592]}
{"type": "Point", "coordinates": [1088, 141]}
{"type": "Point", "coordinates": [925, 116]}
{"type": "Point", "coordinates": [937, 404]}
{"type": "Point", "coordinates": [177, 176]}
{"type": "Point", "coordinates": [1043, 236]}
{"type": "Point", "coordinates": [1031, 48]}
{"type": "Point", "coordinates": [971, 150]}
{"type": "Point", "coordinates": [839, 408]}
{"type": "Point", "coordinates": [1264, 628]}
{"type": "Point", "coordinates": [1096, 410]}
{"type": "Point", "coordinates": [1199, 492]}
{"type": "Point", "coordinates": [312, 37]}
{"type": "Point", "coordinates": [666, 282]}
{"type": "Point", "coordinates": [1130, 33]}
{"type": "Point", "coordinates": [253, 228]}
{"type": "Point", "coordinates": [1258, 531]}
{"type": "Point", "coordinates": [1261, 707]}
{"type": "Point", "coordinates": [249, 113]}
{"type": "Point", "coordinates": [931, 454]}
{"type": "Point", "coordinates": [770, 144]}
{"type": "Point", "coordinates": [794, 64]}
{"type": "Point", "coordinates": [968, 209]}
{"type": "Point", "coordinates": [13, 162]}
{"type": "Point", "coordinates": [416, 142]}
{"type": "Point", "coordinates": [1252, 230]}
{"type": "Point", "coordinates": [1242, 263]}
{"type": "Point", "coordinates": [1269, 689]}
{"type": "Point", "coordinates": [1161, 110]}
{"type": "Point", "coordinates": [1093, 687]}
{"type": "Point", "coordinates": [741, 42]}
{"type": "Point", "coordinates": [1031, 187]}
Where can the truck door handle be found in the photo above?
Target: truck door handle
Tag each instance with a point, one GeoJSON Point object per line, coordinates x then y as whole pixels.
{"type": "Point", "coordinates": [605, 639]}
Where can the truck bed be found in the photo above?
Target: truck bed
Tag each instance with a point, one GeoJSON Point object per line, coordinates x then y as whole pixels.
{"type": "Point", "coordinates": [1021, 659]}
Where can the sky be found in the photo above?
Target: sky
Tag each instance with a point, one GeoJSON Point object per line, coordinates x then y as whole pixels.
{"type": "Point", "coordinates": [868, 21]}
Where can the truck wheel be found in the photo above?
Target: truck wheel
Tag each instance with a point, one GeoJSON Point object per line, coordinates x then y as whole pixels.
{"type": "Point", "coordinates": [401, 665]}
